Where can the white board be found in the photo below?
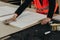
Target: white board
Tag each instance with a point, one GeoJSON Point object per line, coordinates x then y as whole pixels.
{"type": "Point", "coordinates": [25, 19]}
{"type": "Point", "coordinates": [5, 10]}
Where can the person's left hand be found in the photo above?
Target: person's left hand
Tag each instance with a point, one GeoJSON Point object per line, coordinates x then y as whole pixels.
{"type": "Point", "coordinates": [45, 21]}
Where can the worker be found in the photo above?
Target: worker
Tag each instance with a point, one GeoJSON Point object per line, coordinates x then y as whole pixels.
{"type": "Point", "coordinates": [48, 7]}
{"type": "Point", "coordinates": [36, 32]}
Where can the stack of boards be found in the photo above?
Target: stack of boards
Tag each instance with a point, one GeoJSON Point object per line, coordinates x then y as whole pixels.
{"type": "Point", "coordinates": [27, 18]}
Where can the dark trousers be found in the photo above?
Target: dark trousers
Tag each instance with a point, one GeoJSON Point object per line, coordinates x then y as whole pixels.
{"type": "Point", "coordinates": [35, 32]}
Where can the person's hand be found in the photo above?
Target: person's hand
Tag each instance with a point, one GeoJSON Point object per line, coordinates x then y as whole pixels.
{"type": "Point", "coordinates": [10, 19]}
{"type": "Point", "coordinates": [45, 21]}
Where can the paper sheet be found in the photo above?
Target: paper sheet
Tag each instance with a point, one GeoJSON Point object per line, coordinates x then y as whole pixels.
{"type": "Point", "coordinates": [4, 10]}
{"type": "Point", "coordinates": [25, 19]}
{"type": "Point", "coordinates": [57, 17]}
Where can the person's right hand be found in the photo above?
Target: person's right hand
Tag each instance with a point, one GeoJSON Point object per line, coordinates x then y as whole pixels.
{"type": "Point", "coordinates": [10, 19]}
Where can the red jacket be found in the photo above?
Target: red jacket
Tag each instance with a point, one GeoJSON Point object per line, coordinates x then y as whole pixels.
{"type": "Point", "coordinates": [43, 8]}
